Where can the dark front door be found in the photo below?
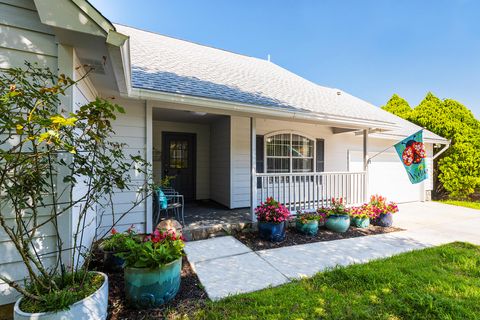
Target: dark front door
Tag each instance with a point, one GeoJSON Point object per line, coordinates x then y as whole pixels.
{"type": "Point", "coordinates": [179, 161]}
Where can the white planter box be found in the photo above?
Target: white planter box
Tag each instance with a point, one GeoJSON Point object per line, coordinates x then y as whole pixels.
{"type": "Point", "coordinates": [92, 307]}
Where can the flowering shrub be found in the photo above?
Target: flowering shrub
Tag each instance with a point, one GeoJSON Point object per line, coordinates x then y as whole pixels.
{"type": "Point", "coordinates": [116, 241]}
{"type": "Point", "coordinates": [363, 211]}
{"type": "Point", "coordinates": [153, 250]}
{"type": "Point", "coordinates": [379, 205]}
{"type": "Point", "coordinates": [337, 208]}
{"type": "Point", "coordinates": [272, 211]}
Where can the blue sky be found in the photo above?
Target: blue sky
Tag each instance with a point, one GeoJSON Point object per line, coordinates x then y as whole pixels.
{"type": "Point", "coordinates": [369, 48]}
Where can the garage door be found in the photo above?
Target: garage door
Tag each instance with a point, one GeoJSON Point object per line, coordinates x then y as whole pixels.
{"type": "Point", "coordinates": [388, 177]}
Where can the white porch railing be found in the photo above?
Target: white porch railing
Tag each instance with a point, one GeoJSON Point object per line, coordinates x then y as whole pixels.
{"type": "Point", "coordinates": [307, 191]}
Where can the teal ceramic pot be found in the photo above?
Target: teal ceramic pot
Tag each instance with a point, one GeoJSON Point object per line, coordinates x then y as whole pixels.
{"type": "Point", "coordinates": [150, 288]}
{"type": "Point", "coordinates": [384, 220]}
{"type": "Point", "coordinates": [338, 223]}
{"type": "Point", "coordinates": [274, 232]}
{"type": "Point", "coordinates": [361, 222]}
{"type": "Point", "coordinates": [309, 228]}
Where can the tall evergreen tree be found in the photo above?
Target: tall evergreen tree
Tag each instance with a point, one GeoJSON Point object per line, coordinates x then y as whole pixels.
{"type": "Point", "coordinates": [457, 171]}
{"type": "Point", "coordinates": [398, 106]}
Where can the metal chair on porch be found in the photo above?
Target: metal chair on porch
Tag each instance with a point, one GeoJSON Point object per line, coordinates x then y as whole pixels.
{"type": "Point", "coordinates": [175, 203]}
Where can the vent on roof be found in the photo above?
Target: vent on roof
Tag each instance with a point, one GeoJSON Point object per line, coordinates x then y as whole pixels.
{"type": "Point", "coordinates": [97, 66]}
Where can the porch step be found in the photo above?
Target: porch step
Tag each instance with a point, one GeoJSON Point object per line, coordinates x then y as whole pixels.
{"type": "Point", "coordinates": [192, 233]}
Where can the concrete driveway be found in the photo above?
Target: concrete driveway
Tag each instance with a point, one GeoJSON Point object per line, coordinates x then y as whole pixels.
{"type": "Point", "coordinates": [440, 221]}
{"type": "Point", "coordinates": [225, 266]}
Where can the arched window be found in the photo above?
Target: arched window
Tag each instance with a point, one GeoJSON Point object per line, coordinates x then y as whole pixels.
{"type": "Point", "coordinates": [289, 152]}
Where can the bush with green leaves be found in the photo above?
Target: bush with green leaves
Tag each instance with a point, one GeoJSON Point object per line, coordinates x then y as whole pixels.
{"type": "Point", "coordinates": [456, 171]}
{"type": "Point", "coordinates": [55, 160]}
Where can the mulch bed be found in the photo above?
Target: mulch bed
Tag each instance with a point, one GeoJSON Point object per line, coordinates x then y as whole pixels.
{"type": "Point", "coordinates": [191, 296]}
{"type": "Point", "coordinates": [252, 240]}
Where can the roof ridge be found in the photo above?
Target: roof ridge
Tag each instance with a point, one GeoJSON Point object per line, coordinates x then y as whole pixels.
{"type": "Point", "coordinates": [193, 42]}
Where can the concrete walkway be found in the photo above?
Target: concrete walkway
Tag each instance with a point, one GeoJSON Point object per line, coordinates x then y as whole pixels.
{"type": "Point", "coordinates": [225, 266]}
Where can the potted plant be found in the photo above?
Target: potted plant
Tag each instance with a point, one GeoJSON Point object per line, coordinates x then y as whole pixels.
{"type": "Point", "coordinates": [113, 245]}
{"type": "Point", "coordinates": [360, 216]}
{"type": "Point", "coordinates": [322, 212]}
{"type": "Point", "coordinates": [152, 270]}
{"type": "Point", "coordinates": [338, 218]}
{"type": "Point", "coordinates": [271, 217]}
{"type": "Point", "coordinates": [382, 211]}
{"type": "Point", "coordinates": [308, 222]}
{"type": "Point", "coordinates": [56, 173]}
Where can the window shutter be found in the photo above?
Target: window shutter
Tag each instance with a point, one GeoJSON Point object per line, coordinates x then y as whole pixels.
{"type": "Point", "coordinates": [260, 163]}
{"type": "Point", "coordinates": [320, 163]}
{"type": "Point", "coordinates": [260, 155]}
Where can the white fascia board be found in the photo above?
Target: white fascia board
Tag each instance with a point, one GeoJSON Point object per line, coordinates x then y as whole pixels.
{"type": "Point", "coordinates": [386, 135]}
{"type": "Point", "coordinates": [118, 46]}
{"type": "Point", "coordinates": [249, 109]}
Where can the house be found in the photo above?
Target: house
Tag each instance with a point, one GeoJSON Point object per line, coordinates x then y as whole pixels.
{"type": "Point", "coordinates": [233, 129]}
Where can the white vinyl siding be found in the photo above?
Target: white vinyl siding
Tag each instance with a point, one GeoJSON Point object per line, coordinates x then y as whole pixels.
{"type": "Point", "coordinates": [202, 132]}
{"type": "Point", "coordinates": [130, 128]}
{"type": "Point", "coordinates": [220, 164]}
{"type": "Point", "coordinates": [240, 162]}
{"type": "Point", "coordinates": [23, 37]}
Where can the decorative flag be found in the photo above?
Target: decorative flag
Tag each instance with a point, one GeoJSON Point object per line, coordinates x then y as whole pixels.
{"type": "Point", "coordinates": [412, 153]}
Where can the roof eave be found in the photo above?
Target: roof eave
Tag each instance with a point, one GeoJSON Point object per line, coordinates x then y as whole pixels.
{"type": "Point", "coordinates": [386, 135]}
{"type": "Point", "coordinates": [154, 95]}
{"type": "Point", "coordinates": [118, 46]}
{"type": "Point", "coordinates": [72, 16]}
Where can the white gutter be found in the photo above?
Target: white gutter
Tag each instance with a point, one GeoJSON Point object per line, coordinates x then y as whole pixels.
{"type": "Point", "coordinates": [153, 95]}
{"type": "Point", "coordinates": [441, 151]}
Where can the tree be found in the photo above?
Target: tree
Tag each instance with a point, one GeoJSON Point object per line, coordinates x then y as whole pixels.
{"type": "Point", "coordinates": [45, 154]}
{"type": "Point", "coordinates": [457, 171]}
{"type": "Point", "coordinates": [398, 106]}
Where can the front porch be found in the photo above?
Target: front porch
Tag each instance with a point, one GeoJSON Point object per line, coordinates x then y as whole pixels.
{"type": "Point", "coordinates": [224, 163]}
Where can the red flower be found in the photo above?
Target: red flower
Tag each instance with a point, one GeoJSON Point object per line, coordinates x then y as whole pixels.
{"type": "Point", "coordinates": [114, 231]}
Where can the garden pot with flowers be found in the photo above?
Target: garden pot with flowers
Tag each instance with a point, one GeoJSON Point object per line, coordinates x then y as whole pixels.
{"type": "Point", "coordinates": [361, 216]}
{"type": "Point", "coordinates": [338, 218]}
{"type": "Point", "coordinates": [153, 264]}
{"type": "Point", "coordinates": [113, 245]}
{"type": "Point", "coordinates": [308, 222]}
{"type": "Point", "coordinates": [382, 211]}
{"type": "Point", "coordinates": [272, 217]}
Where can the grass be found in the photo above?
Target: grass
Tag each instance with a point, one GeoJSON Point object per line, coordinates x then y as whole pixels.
{"type": "Point", "coordinates": [467, 204]}
{"type": "Point", "coordinates": [435, 283]}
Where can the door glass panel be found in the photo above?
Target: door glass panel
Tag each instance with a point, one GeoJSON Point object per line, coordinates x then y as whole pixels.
{"type": "Point", "coordinates": [178, 154]}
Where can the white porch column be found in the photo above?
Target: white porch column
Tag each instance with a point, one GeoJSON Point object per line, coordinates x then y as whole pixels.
{"type": "Point", "coordinates": [253, 167]}
{"type": "Point", "coordinates": [365, 164]}
{"type": "Point", "coordinates": [148, 155]}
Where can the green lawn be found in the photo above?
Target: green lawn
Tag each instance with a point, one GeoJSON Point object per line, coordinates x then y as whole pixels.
{"type": "Point", "coordinates": [468, 204]}
{"type": "Point", "coordinates": [435, 283]}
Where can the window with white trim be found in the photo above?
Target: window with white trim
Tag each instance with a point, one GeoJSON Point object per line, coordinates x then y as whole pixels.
{"type": "Point", "coordinates": [289, 152]}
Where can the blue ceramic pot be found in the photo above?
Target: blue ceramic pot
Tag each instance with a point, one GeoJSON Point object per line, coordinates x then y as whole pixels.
{"type": "Point", "coordinates": [361, 222]}
{"type": "Point", "coordinates": [111, 262]}
{"type": "Point", "coordinates": [310, 228]}
{"type": "Point", "coordinates": [338, 222]}
{"type": "Point", "coordinates": [274, 232]}
{"type": "Point", "coordinates": [150, 288]}
{"type": "Point", "coordinates": [384, 220]}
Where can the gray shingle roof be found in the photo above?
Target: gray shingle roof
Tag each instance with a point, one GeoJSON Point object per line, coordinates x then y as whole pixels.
{"type": "Point", "coordinates": [171, 65]}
